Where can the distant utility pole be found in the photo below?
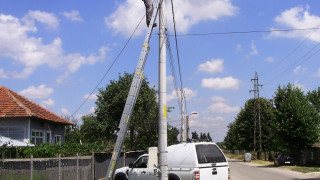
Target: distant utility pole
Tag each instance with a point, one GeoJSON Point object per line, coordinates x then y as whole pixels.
{"type": "Point", "coordinates": [256, 113]}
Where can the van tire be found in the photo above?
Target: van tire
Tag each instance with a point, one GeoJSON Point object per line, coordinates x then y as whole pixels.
{"type": "Point", "coordinates": [173, 177]}
{"type": "Point", "coordinates": [120, 176]}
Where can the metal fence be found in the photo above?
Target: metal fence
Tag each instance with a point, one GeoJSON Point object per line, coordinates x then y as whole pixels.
{"type": "Point", "coordinates": [77, 167]}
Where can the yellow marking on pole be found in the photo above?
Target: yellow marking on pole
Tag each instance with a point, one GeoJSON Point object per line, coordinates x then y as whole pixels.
{"type": "Point", "coordinates": [148, 48]}
{"type": "Point", "coordinates": [133, 90]}
{"type": "Point", "coordinates": [145, 44]}
{"type": "Point", "coordinates": [138, 73]}
{"type": "Point", "coordinates": [113, 154]}
{"type": "Point", "coordinates": [112, 167]}
{"type": "Point", "coordinates": [127, 119]}
{"type": "Point", "coordinates": [165, 111]}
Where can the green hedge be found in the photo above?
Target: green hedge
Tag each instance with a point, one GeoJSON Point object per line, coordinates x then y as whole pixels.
{"type": "Point", "coordinates": [46, 150]}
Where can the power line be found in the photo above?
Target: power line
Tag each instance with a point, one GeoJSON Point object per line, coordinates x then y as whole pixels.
{"type": "Point", "coordinates": [183, 99]}
{"type": "Point", "coordinates": [246, 32]}
{"type": "Point", "coordinates": [290, 53]}
{"type": "Point", "coordinates": [114, 61]}
{"type": "Point", "coordinates": [298, 62]}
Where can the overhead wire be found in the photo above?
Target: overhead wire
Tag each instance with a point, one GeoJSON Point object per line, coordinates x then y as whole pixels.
{"type": "Point", "coordinates": [289, 54]}
{"type": "Point", "coordinates": [247, 32]}
{"type": "Point", "coordinates": [183, 98]}
{"type": "Point", "coordinates": [300, 61]}
{"type": "Point", "coordinates": [114, 61]}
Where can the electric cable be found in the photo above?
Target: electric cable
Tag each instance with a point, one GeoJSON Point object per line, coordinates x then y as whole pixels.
{"type": "Point", "coordinates": [298, 62]}
{"type": "Point", "coordinates": [183, 98]}
{"type": "Point", "coordinates": [246, 32]}
{"type": "Point", "coordinates": [289, 54]}
{"type": "Point", "coordinates": [114, 61]}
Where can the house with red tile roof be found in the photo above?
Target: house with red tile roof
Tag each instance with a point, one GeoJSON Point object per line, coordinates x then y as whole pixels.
{"type": "Point", "coordinates": [24, 120]}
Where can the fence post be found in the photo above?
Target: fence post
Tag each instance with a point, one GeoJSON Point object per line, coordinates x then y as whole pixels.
{"type": "Point", "coordinates": [77, 166]}
{"type": "Point", "coordinates": [59, 168]}
{"type": "Point", "coordinates": [31, 166]}
{"type": "Point", "coordinates": [92, 166]}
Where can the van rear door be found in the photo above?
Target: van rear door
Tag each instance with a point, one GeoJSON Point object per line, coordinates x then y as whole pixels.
{"type": "Point", "coordinates": [212, 162]}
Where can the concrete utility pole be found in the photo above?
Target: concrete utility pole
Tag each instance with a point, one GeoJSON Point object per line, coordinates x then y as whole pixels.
{"type": "Point", "coordinates": [187, 118]}
{"type": "Point", "coordinates": [162, 146]}
{"type": "Point", "coordinates": [182, 131]}
{"type": "Point", "coordinates": [256, 113]}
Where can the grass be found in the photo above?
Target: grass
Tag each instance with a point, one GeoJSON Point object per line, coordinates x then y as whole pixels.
{"type": "Point", "coordinates": [303, 169]}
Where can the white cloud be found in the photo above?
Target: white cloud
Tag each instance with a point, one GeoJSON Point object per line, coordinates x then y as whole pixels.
{"type": "Point", "coordinates": [239, 48]}
{"type": "Point", "coordinates": [2, 74]}
{"type": "Point", "coordinates": [79, 116]}
{"type": "Point", "coordinates": [222, 108]}
{"type": "Point", "coordinates": [43, 17]}
{"type": "Point", "coordinates": [47, 103]}
{"type": "Point", "coordinates": [189, 13]}
{"type": "Point", "coordinates": [39, 92]}
{"type": "Point", "coordinates": [218, 99]}
{"type": "Point", "coordinates": [93, 97]}
{"type": "Point", "coordinates": [298, 18]}
{"type": "Point", "coordinates": [254, 50]}
{"type": "Point", "coordinates": [170, 80]}
{"type": "Point", "coordinates": [317, 74]}
{"type": "Point", "coordinates": [299, 70]}
{"type": "Point", "coordinates": [65, 112]}
{"type": "Point", "coordinates": [221, 83]}
{"type": "Point", "coordinates": [73, 15]}
{"type": "Point", "coordinates": [92, 110]}
{"type": "Point", "coordinates": [61, 79]}
{"type": "Point", "coordinates": [206, 122]}
{"type": "Point", "coordinates": [269, 59]}
{"type": "Point", "coordinates": [300, 86]}
{"type": "Point", "coordinates": [189, 94]}
{"type": "Point", "coordinates": [20, 46]}
{"type": "Point", "coordinates": [213, 66]}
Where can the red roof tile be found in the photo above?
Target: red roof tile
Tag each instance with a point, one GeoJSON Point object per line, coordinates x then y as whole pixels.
{"type": "Point", "coordinates": [14, 105]}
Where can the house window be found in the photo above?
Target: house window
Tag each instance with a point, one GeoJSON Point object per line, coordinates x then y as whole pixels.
{"type": "Point", "coordinates": [37, 137]}
{"type": "Point", "coordinates": [48, 137]}
{"type": "Point", "coordinates": [57, 139]}
{"type": "Point", "coordinates": [12, 132]}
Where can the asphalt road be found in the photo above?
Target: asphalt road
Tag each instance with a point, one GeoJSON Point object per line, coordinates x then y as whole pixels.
{"type": "Point", "coordinates": [247, 171]}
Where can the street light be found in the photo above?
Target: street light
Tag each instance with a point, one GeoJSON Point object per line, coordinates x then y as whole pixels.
{"type": "Point", "coordinates": [187, 117]}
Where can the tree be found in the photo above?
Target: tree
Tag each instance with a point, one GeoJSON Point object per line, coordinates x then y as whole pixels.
{"type": "Point", "coordinates": [194, 135]}
{"type": "Point", "coordinates": [172, 135]}
{"type": "Point", "coordinates": [72, 133]}
{"type": "Point", "coordinates": [297, 121]}
{"type": "Point", "coordinates": [92, 130]}
{"type": "Point", "coordinates": [314, 98]}
{"type": "Point", "coordinates": [209, 137]}
{"type": "Point", "coordinates": [203, 136]}
{"type": "Point", "coordinates": [144, 121]}
{"type": "Point", "coordinates": [240, 133]}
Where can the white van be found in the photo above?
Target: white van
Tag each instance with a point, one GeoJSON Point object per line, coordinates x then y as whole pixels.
{"type": "Point", "coordinates": [186, 161]}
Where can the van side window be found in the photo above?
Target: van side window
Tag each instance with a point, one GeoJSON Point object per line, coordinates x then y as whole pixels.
{"type": "Point", "coordinates": [142, 162]}
{"type": "Point", "coordinates": [209, 153]}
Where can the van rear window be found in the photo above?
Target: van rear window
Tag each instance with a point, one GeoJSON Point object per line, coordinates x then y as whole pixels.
{"type": "Point", "coordinates": [209, 153]}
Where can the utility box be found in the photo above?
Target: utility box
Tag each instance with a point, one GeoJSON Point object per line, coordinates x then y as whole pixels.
{"type": "Point", "coordinates": [247, 157]}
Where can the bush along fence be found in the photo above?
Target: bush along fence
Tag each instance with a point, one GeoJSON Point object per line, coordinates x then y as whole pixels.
{"type": "Point", "coordinates": [80, 166]}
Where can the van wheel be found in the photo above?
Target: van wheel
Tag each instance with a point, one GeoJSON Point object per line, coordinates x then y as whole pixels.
{"type": "Point", "coordinates": [173, 177]}
{"type": "Point", "coordinates": [120, 176]}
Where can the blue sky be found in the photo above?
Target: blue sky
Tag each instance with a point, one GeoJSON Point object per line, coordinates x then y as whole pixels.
{"type": "Point", "coordinates": [56, 52]}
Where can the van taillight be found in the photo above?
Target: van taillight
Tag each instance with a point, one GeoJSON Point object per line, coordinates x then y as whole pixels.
{"type": "Point", "coordinates": [196, 175]}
